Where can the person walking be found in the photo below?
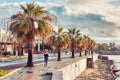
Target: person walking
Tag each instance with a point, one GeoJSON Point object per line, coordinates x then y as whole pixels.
{"type": "Point", "coordinates": [46, 58]}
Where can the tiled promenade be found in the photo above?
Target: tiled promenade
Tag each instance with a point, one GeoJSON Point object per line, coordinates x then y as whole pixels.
{"type": "Point", "coordinates": [36, 72]}
{"type": "Point", "coordinates": [100, 72]}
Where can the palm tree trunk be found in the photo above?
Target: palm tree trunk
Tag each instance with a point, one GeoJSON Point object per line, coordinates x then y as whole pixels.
{"type": "Point", "coordinates": [43, 46]}
{"type": "Point", "coordinates": [14, 48]}
{"type": "Point", "coordinates": [19, 54]}
{"type": "Point", "coordinates": [85, 52]}
{"type": "Point", "coordinates": [30, 55]}
{"type": "Point", "coordinates": [73, 55]}
{"type": "Point", "coordinates": [30, 59]}
{"type": "Point", "coordinates": [30, 38]}
{"type": "Point", "coordinates": [14, 52]}
{"type": "Point", "coordinates": [22, 51]}
{"type": "Point", "coordinates": [59, 55]}
{"type": "Point", "coordinates": [80, 54]}
{"type": "Point", "coordinates": [5, 46]}
{"type": "Point", "coordinates": [91, 51]}
{"type": "Point", "coordinates": [88, 51]}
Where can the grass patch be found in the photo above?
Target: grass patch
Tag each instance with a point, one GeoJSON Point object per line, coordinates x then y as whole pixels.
{"type": "Point", "coordinates": [4, 72]}
{"type": "Point", "coordinates": [1, 56]}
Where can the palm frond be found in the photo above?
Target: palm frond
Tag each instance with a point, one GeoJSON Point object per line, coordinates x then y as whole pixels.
{"type": "Point", "coordinates": [47, 18]}
{"type": "Point", "coordinates": [60, 29]}
{"type": "Point", "coordinates": [24, 9]}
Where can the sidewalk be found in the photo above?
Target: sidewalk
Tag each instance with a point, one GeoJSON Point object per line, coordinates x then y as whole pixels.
{"type": "Point", "coordinates": [36, 72]}
{"type": "Point", "coordinates": [31, 73]}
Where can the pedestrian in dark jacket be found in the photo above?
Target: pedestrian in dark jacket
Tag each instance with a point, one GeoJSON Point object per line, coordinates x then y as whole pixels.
{"type": "Point", "coordinates": [46, 58]}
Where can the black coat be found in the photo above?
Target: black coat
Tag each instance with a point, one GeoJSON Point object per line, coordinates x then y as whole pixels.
{"type": "Point", "coordinates": [46, 56]}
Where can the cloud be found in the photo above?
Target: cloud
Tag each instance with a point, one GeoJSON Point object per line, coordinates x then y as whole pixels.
{"type": "Point", "coordinates": [102, 7]}
{"type": "Point", "coordinates": [115, 2]}
{"type": "Point", "coordinates": [97, 18]}
{"type": "Point", "coordinates": [79, 1]}
{"type": "Point", "coordinates": [93, 24]}
{"type": "Point", "coordinates": [8, 9]}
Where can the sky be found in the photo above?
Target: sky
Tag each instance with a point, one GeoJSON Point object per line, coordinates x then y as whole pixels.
{"type": "Point", "coordinates": [100, 19]}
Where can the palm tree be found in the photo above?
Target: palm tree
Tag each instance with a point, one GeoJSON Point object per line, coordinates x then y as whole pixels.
{"type": "Point", "coordinates": [93, 46]}
{"type": "Point", "coordinates": [59, 41]}
{"type": "Point", "coordinates": [86, 42]}
{"type": "Point", "coordinates": [44, 28]}
{"type": "Point", "coordinates": [103, 47]}
{"type": "Point", "coordinates": [74, 36]}
{"type": "Point", "coordinates": [24, 22]}
{"type": "Point", "coordinates": [20, 38]}
{"type": "Point", "coordinates": [80, 45]}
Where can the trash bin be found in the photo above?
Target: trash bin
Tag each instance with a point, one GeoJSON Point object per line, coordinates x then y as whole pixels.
{"type": "Point", "coordinates": [89, 63]}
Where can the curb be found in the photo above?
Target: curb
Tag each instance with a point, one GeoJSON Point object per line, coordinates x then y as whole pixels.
{"type": "Point", "coordinates": [9, 74]}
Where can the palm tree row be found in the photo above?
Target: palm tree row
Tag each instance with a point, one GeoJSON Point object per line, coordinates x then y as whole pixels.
{"type": "Point", "coordinates": [24, 29]}
{"type": "Point", "coordinates": [73, 40]}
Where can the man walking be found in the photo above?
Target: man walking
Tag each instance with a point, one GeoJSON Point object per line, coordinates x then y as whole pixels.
{"type": "Point", "coordinates": [46, 58]}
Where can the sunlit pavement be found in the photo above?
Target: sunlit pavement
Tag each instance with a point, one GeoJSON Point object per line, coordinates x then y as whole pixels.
{"type": "Point", "coordinates": [34, 73]}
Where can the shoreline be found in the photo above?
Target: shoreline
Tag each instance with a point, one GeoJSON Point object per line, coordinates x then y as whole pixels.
{"type": "Point", "coordinates": [115, 68]}
{"type": "Point", "coordinates": [111, 68]}
{"type": "Point", "coordinates": [101, 71]}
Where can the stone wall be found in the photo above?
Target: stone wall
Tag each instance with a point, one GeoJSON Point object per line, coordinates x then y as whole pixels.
{"type": "Point", "coordinates": [71, 71]}
{"type": "Point", "coordinates": [95, 57]}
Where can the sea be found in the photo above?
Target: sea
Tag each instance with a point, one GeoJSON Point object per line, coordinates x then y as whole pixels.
{"type": "Point", "coordinates": [116, 59]}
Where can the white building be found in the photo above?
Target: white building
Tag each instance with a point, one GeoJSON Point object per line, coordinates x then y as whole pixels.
{"type": "Point", "coordinates": [2, 34]}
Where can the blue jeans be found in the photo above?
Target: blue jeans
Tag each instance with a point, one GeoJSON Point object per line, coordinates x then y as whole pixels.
{"type": "Point", "coordinates": [45, 63]}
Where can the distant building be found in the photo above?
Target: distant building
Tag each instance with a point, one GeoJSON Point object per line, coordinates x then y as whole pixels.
{"type": "Point", "coordinates": [113, 46]}
{"type": "Point", "coordinates": [2, 34]}
{"type": "Point", "coordinates": [5, 41]}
